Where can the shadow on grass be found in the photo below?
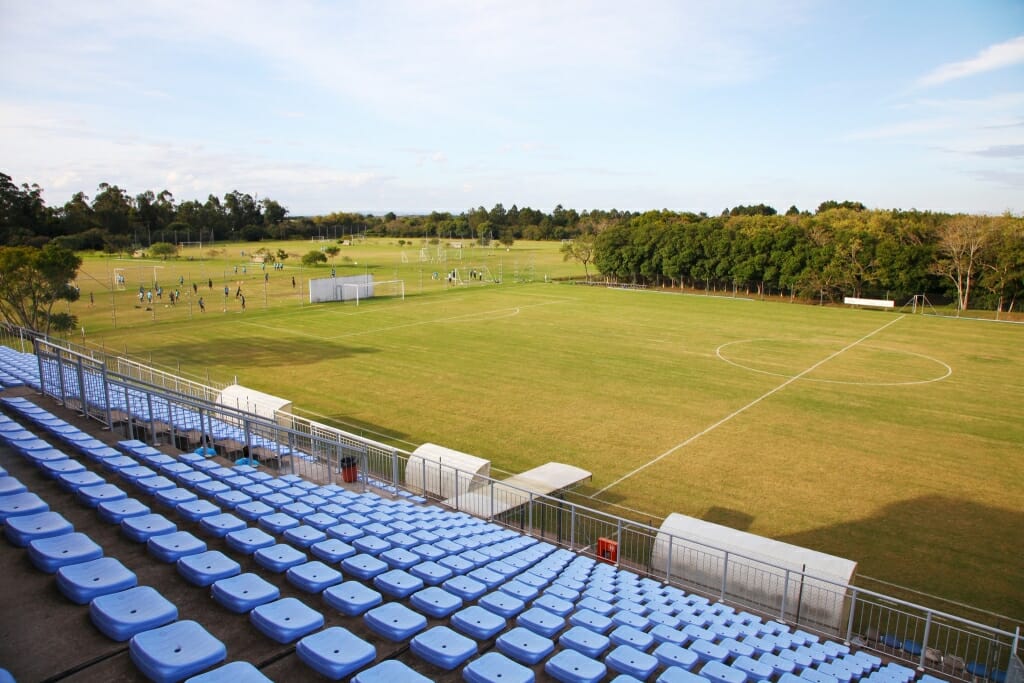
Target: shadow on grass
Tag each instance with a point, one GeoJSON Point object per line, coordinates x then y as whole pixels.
{"type": "Point", "coordinates": [974, 558]}
{"type": "Point", "coordinates": [735, 519]}
{"type": "Point", "coordinates": [262, 352]}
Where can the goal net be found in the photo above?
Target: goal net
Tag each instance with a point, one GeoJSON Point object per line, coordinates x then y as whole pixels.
{"type": "Point", "coordinates": [394, 289]}
{"type": "Point", "coordinates": [354, 288]}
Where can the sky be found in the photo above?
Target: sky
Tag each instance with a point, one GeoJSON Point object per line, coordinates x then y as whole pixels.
{"type": "Point", "coordinates": [419, 105]}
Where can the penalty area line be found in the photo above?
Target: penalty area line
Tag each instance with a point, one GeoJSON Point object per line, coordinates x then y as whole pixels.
{"type": "Point", "coordinates": [742, 410]}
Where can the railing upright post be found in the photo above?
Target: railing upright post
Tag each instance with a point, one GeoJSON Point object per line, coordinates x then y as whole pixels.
{"type": "Point", "coordinates": [618, 540]}
{"type": "Point", "coordinates": [492, 500]}
{"type": "Point", "coordinates": [785, 592]}
{"type": "Point", "coordinates": [668, 561]}
{"type": "Point", "coordinates": [853, 609]}
{"type": "Point", "coordinates": [725, 572]}
{"type": "Point", "coordinates": [529, 513]}
{"type": "Point", "coordinates": [924, 641]}
{"type": "Point", "coordinates": [394, 469]}
{"type": "Point", "coordinates": [572, 526]}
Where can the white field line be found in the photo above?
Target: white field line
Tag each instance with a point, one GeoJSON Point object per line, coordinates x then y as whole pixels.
{"type": "Point", "coordinates": [742, 410]}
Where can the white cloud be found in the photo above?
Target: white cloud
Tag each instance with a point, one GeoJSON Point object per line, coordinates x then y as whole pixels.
{"type": "Point", "coordinates": [994, 57]}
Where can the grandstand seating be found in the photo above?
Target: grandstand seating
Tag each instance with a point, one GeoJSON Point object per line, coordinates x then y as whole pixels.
{"type": "Point", "coordinates": [379, 587]}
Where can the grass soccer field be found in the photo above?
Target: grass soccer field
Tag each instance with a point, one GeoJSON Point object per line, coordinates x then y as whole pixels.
{"type": "Point", "coordinates": [895, 440]}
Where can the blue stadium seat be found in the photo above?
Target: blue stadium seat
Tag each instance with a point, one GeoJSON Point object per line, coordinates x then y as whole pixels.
{"type": "Point", "coordinates": [173, 546]}
{"type": "Point", "coordinates": [395, 621]}
{"type": "Point", "coordinates": [435, 602]}
{"type": "Point", "coordinates": [390, 671]}
{"type": "Point", "coordinates": [352, 598]}
{"type": "Point", "coordinates": [582, 639]}
{"type": "Point", "coordinates": [502, 604]}
{"type": "Point", "coordinates": [173, 497]}
{"type": "Point", "coordinates": [277, 523]}
{"type": "Point", "coordinates": [249, 540]}
{"type": "Point", "coordinates": [303, 536]}
{"type": "Point", "coordinates": [196, 510]}
{"type": "Point", "coordinates": [525, 646]}
{"type": "Point", "coordinates": [443, 647]}
{"type": "Point", "coordinates": [332, 550]}
{"type": "Point", "coordinates": [363, 566]}
{"type": "Point", "coordinates": [285, 620]}
{"type": "Point", "coordinates": [78, 480]}
{"type": "Point", "coordinates": [569, 666]}
{"type": "Point", "coordinates": [50, 554]}
{"type": "Point", "coordinates": [670, 654]}
{"type": "Point", "coordinates": [143, 527]}
{"type": "Point", "coordinates": [336, 652]}
{"type": "Point", "coordinates": [478, 623]}
{"type": "Point", "coordinates": [279, 558]}
{"type": "Point", "coordinates": [244, 592]}
{"type": "Point", "coordinates": [83, 582]}
{"type": "Point", "coordinates": [675, 674]}
{"type": "Point", "coordinates": [432, 573]}
{"type": "Point", "coordinates": [176, 651]}
{"type": "Point", "coordinates": [397, 583]}
{"type": "Point", "coordinates": [541, 622]}
{"type": "Point", "coordinates": [719, 672]}
{"type": "Point", "coordinates": [221, 525]}
{"type": "Point", "coordinates": [627, 635]}
{"type": "Point", "coordinates": [253, 510]}
{"type": "Point", "coordinates": [233, 672]}
{"type": "Point", "coordinates": [313, 577]}
{"type": "Point", "coordinates": [590, 620]}
{"type": "Point", "coordinates": [494, 667]}
{"type": "Point", "coordinates": [54, 468]}
{"type": "Point", "coordinates": [115, 511]}
{"type": "Point", "coordinates": [630, 661]}
{"type": "Point", "coordinates": [119, 616]}
{"type": "Point", "coordinates": [22, 530]}
{"type": "Point", "coordinates": [232, 499]}
{"type": "Point", "coordinates": [10, 485]}
{"type": "Point", "coordinates": [708, 651]}
{"type": "Point", "coordinates": [203, 569]}
{"type": "Point", "coordinates": [400, 558]}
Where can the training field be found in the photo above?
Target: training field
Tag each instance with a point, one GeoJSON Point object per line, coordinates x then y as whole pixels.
{"type": "Point", "coordinates": [892, 439]}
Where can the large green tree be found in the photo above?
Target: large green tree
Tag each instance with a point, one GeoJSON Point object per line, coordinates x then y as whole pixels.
{"type": "Point", "coordinates": [33, 281]}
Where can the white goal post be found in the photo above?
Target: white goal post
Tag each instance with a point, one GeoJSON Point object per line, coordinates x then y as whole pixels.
{"type": "Point", "coordinates": [368, 290]}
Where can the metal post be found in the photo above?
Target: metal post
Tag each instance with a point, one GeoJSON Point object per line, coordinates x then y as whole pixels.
{"type": "Point", "coordinates": [394, 469]}
{"type": "Point", "coordinates": [725, 573]}
{"type": "Point", "coordinates": [81, 387]}
{"type": "Point", "coordinates": [457, 490]}
{"type": "Point", "coordinates": [152, 418]}
{"type": "Point", "coordinates": [106, 396]}
{"type": "Point", "coordinates": [785, 592]}
{"type": "Point", "coordinates": [618, 540]}
{"type": "Point", "coordinates": [853, 609]}
{"type": "Point", "coordinates": [924, 642]}
{"type": "Point", "coordinates": [572, 526]}
{"type": "Point", "coordinates": [492, 500]}
{"type": "Point", "coordinates": [529, 513]}
{"type": "Point", "coordinates": [668, 562]}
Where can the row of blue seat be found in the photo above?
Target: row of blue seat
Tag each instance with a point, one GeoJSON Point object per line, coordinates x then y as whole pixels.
{"type": "Point", "coordinates": [583, 617]}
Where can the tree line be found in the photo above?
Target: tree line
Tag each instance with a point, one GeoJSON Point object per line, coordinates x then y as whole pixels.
{"type": "Point", "coordinates": [841, 250]}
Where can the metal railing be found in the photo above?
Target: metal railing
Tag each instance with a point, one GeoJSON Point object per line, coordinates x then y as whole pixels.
{"type": "Point", "coordinates": [928, 639]}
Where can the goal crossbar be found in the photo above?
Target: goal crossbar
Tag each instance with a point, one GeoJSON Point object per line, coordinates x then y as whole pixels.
{"type": "Point", "coordinates": [361, 289]}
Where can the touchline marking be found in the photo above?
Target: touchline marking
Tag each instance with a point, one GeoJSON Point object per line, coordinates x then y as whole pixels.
{"type": "Point", "coordinates": [739, 411]}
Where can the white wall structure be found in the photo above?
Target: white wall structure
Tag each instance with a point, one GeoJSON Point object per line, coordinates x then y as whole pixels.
{"type": "Point", "coordinates": [250, 400]}
{"type": "Point", "coordinates": [548, 479]}
{"type": "Point", "coordinates": [340, 288]}
{"type": "Point", "coordinates": [432, 469]}
{"type": "Point", "coordinates": [714, 558]}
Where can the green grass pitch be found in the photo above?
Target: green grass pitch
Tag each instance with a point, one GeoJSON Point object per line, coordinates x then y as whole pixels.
{"type": "Point", "coordinates": [894, 440]}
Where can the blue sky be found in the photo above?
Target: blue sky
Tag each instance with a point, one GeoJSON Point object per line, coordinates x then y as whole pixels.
{"type": "Point", "coordinates": [421, 105]}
